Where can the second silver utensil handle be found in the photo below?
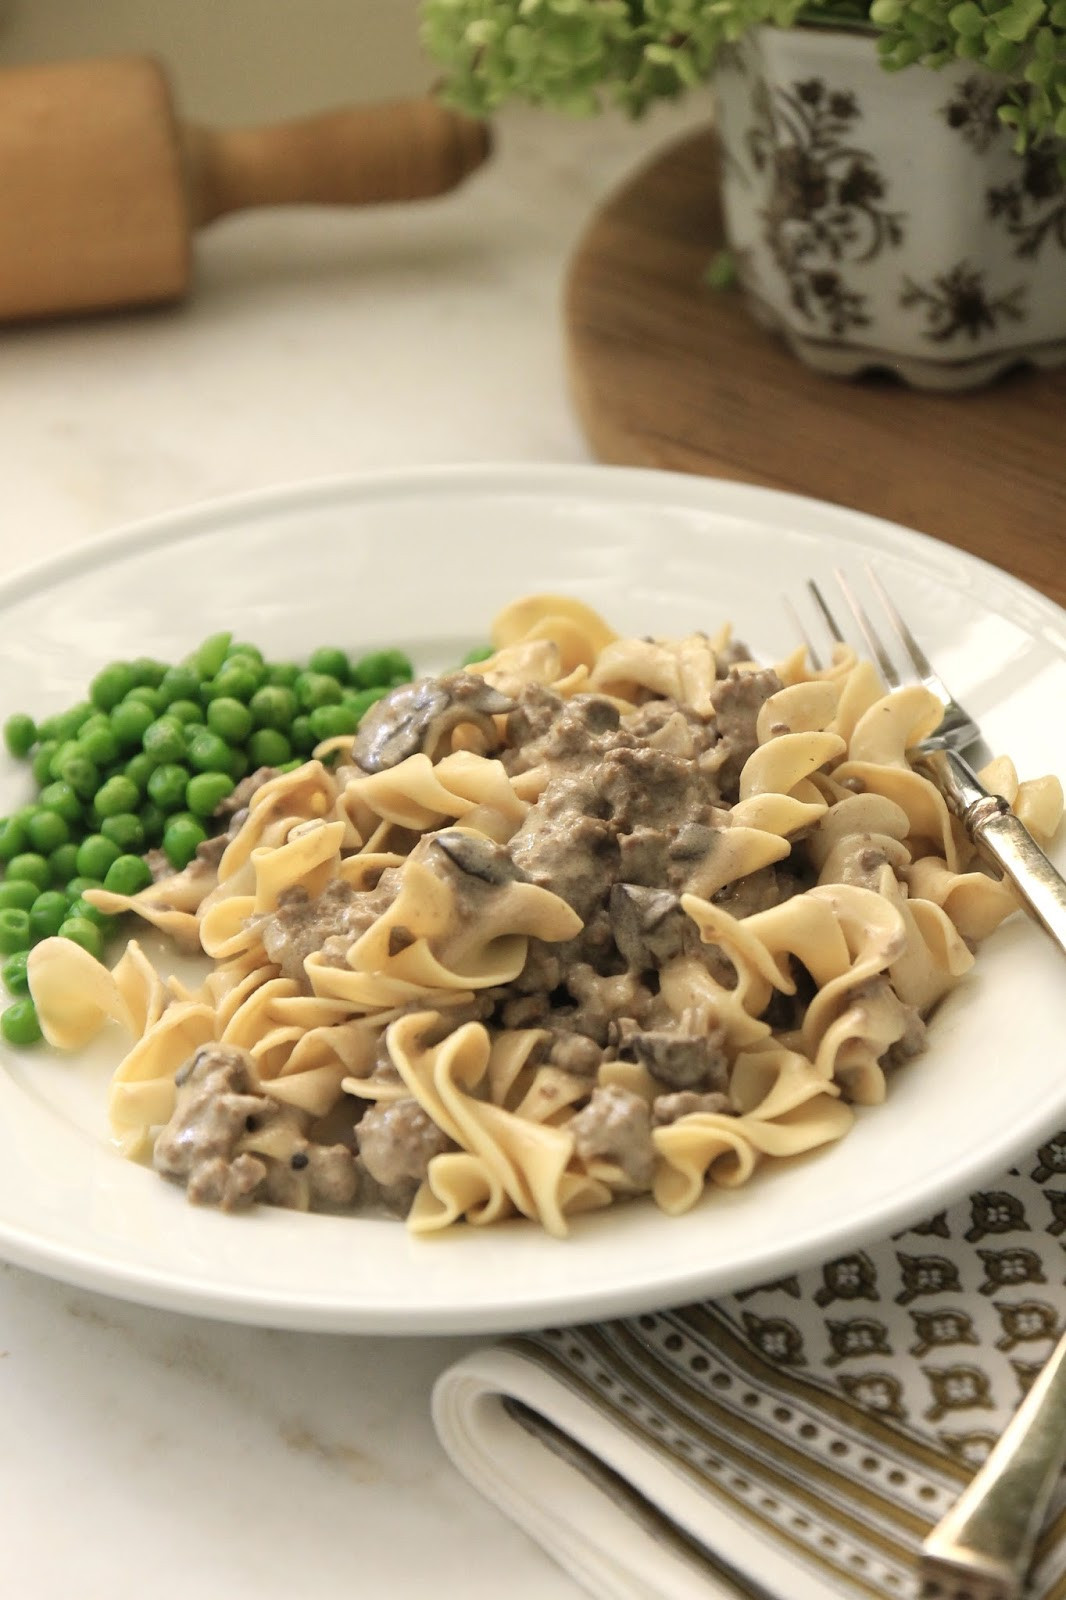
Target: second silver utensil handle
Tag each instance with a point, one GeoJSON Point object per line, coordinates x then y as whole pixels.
{"type": "Point", "coordinates": [1003, 840]}
{"type": "Point", "coordinates": [1000, 1515]}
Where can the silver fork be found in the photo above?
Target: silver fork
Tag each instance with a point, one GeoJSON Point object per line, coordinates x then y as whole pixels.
{"type": "Point", "coordinates": [983, 1548]}
{"type": "Point", "coordinates": [1004, 842]}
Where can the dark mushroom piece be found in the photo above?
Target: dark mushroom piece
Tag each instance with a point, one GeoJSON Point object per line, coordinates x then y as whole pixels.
{"type": "Point", "coordinates": [681, 1061]}
{"type": "Point", "coordinates": [417, 718]}
{"type": "Point", "coordinates": [648, 924]}
{"type": "Point", "coordinates": [477, 857]}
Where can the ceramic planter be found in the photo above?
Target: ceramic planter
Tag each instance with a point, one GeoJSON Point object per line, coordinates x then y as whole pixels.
{"type": "Point", "coordinates": [882, 220]}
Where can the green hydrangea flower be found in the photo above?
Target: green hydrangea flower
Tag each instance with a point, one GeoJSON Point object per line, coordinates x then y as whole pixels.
{"type": "Point", "coordinates": [581, 55]}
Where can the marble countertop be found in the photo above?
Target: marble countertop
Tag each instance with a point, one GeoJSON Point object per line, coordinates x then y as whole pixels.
{"type": "Point", "coordinates": [148, 1448]}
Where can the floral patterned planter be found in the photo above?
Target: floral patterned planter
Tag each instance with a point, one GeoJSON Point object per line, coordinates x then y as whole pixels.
{"type": "Point", "coordinates": [882, 220]}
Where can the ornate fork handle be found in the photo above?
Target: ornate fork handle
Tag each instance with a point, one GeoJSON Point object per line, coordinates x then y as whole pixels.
{"type": "Point", "coordinates": [1004, 841]}
{"type": "Point", "coordinates": [992, 1529]}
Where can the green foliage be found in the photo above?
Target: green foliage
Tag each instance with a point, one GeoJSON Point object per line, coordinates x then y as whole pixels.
{"type": "Point", "coordinates": [579, 55]}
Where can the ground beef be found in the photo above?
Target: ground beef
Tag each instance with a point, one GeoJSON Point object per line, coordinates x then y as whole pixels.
{"type": "Point", "coordinates": [216, 1098]}
{"type": "Point", "coordinates": [397, 1141]}
{"type": "Point", "coordinates": [572, 734]}
{"type": "Point", "coordinates": [738, 700]}
{"type": "Point", "coordinates": [667, 1108]}
{"type": "Point", "coordinates": [300, 925]}
{"type": "Point", "coordinates": [218, 1105]}
{"type": "Point", "coordinates": [615, 1126]}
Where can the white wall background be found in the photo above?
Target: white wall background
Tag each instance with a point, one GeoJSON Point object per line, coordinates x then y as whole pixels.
{"type": "Point", "coordinates": [236, 61]}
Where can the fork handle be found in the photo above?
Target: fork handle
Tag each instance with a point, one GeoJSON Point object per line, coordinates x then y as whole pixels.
{"type": "Point", "coordinates": [1002, 839]}
{"type": "Point", "coordinates": [993, 1526]}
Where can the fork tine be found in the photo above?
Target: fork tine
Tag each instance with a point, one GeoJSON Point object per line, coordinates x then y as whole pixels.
{"type": "Point", "coordinates": [827, 616]}
{"type": "Point", "coordinates": [877, 649]}
{"type": "Point", "coordinates": [797, 622]}
{"type": "Point", "coordinates": [922, 665]}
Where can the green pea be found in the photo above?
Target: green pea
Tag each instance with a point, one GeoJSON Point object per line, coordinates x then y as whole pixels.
{"type": "Point", "coordinates": [379, 667]}
{"type": "Point", "coordinates": [245, 661]}
{"type": "Point", "coordinates": [66, 750]}
{"type": "Point", "coordinates": [119, 794]}
{"type": "Point", "coordinates": [153, 820]}
{"type": "Point", "coordinates": [146, 671]}
{"type": "Point", "coordinates": [283, 674]}
{"type": "Point", "coordinates": [315, 689]}
{"type": "Point", "coordinates": [139, 769]}
{"type": "Point", "coordinates": [209, 753]}
{"type": "Point", "coordinates": [127, 875]}
{"type": "Point", "coordinates": [30, 868]}
{"type": "Point", "coordinates": [111, 684]}
{"type": "Point", "coordinates": [82, 774]}
{"type": "Point", "coordinates": [100, 745]}
{"type": "Point", "coordinates": [334, 663]}
{"type": "Point", "coordinates": [273, 707]}
{"type": "Point", "coordinates": [60, 798]}
{"type": "Point", "coordinates": [98, 720]}
{"type": "Point", "coordinates": [368, 697]}
{"type": "Point", "coordinates": [252, 651]}
{"type": "Point", "coordinates": [204, 792]}
{"type": "Point", "coordinates": [12, 837]}
{"type": "Point", "coordinates": [126, 830]}
{"type": "Point", "coordinates": [229, 719]}
{"type": "Point", "coordinates": [47, 831]}
{"type": "Point", "coordinates": [83, 910]}
{"type": "Point", "coordinates": [179, 683]}
{"type": "Point", "coordinates": [17, 894]}
{"type": "Point", "coordinates": [95, 855]}
{"type": "Point", "coordinates": [238, 765]}
{"type": "Point", "coordinates": [269, 748]}
{"type": "Point", "coordinates": [209, 657]}
{"type": "Point", "coordinates": [234, 683]}
{"type": "Point", "coordinates": [81, 931]}
{"type": "Point", "coordinates": [47, 914]}
{"type": "Point", "coordinates": [181, 840]}
{"type": "Point", "coordinates": [291, 766]}
{"type": "Point", "coordinates": [164, 741]}
{"type": "Point", "coordinates": [14, 974]}
{"type": "Point", "coordinates": [19, 1024]}
{"type": "Point", "coordinates": [401, 667]}
{"type": "Point", "coordinates": [129, 721]}
{"type": "Point", "coordinates": [166, 786]}
{"type": "Point", "coordinates": [187, 712]}
{"type": "Point", "coordinates": [480, 652]}
{"type": "Point", "coordinates": [69, 723]}
{"type": "Point", "coordinates": [330, 722]}
{"type": "Point", "coordinates": [20, 734]}
{"type": "Point", "coordinates": [64, 862]}
{"type": "Point", "coordinates": [14, 930]}
{"type": "Point", "coordinates": [302, 735]}
{"type": "Point", "coordinates": [77, 886]}
{"type": "Point", "coordinates": [147, 696]}
{"type": "Point", "coordinates": [41, 765]}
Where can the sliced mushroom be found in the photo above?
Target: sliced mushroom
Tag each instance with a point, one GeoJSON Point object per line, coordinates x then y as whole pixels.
{"type": "Point", "coordinates": [648, 924]}
{"type": "Point", "coordinates": [477, 857]}
{"type": "Point", "coordinates": [679, 1060]}
{"type": "Point", "coordinates": [417, 717]}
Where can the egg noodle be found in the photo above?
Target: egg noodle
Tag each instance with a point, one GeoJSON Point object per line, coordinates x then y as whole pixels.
{"type": "Point", "coordinates": [748, 1031]}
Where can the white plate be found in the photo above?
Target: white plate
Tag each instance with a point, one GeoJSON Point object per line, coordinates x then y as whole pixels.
{"type": "Point", "coordinates": [424, 560]}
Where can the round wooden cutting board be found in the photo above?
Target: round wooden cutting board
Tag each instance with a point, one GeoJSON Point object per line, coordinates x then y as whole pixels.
{"type": "Point", "coordinates": [666, 372]}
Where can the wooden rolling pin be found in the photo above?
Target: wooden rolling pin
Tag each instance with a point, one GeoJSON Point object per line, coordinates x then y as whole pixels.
{"type": "Point", "coordinates": [102, 187]}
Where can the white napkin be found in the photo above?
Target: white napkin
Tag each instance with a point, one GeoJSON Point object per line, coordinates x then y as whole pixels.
{"type": "Point", "coordinates": [796, 1441]}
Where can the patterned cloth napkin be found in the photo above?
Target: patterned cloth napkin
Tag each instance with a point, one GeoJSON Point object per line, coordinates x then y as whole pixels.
{"type": "Point", "coordinates": [796, 1441]}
